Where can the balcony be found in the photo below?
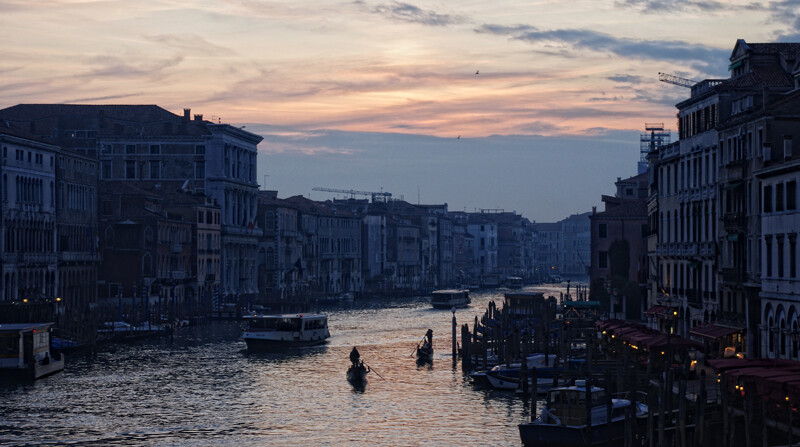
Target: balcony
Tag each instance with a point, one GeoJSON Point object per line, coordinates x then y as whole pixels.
{"type": "Point", "coordinates": [732, 318]}
{"type": "Point", "coordinates": [735, 220]}
{"type": "Point", "coordinates": [178, 274]}
{"type": "Point", "coordinates": [176, 248]}
{"type": "Point", "coordinates": [732, 275]}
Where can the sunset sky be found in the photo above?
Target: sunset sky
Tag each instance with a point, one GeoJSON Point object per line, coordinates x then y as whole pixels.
{"type": "Point", "coordinates": [548, 97]}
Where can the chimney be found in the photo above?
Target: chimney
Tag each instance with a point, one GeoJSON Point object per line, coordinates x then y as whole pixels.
{"type": "Point", "coordinates": [198, 117]}
{"type": "Point", "coordinates": [594, 210]}
{"type": "Point", "coordinates": [186, 114]}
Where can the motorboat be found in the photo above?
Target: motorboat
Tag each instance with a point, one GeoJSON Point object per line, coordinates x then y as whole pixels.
{"type": "Point", "coordinates": [563, 422]}
{"type": "Point", "coordinates": [448, 299]}
{"type": "Point", "coordinates": [25, 351]}
{"type": "Point", "coordinates": [270, 332]}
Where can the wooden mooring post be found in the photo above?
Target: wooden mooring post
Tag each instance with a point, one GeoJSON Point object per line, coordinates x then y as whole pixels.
{"type": "Point", "coordinates": [455, 343]}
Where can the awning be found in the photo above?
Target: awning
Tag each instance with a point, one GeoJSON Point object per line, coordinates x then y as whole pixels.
{"type": "Point", "coordinates": [659, 311]}
{"type": "Point", "coordinates": [733, 237]}
{"type": "Point", "coordinates": [656, 310]}
{"type": "Point", "coordinates": [774, 379]}
{"type": "Point", "coordinates": [713, 331]}
{"type": "Point", "coordinates": [734, 65]}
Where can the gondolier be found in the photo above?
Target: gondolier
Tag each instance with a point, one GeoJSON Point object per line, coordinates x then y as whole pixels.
{"type": "Point", "coordinates": [354, 356]}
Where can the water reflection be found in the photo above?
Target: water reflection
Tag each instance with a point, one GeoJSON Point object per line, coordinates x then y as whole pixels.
{"type": "Point", "coordinates": [202, 387]}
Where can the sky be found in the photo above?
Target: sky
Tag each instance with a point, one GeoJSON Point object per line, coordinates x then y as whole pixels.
{"type": "Point", "coordinates": [532, 106]}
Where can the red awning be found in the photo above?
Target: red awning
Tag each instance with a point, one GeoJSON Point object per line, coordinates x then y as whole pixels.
{"type": "Point", "coordinates": [712, 331]}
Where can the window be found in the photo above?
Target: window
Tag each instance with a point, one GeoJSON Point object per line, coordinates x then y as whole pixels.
{"type": "Point", "coordinates": [787, 146]}
{"type": "Point", "coordinates": [155, 148]}
{"type": "Point", "coordinates": [779, 242]}
{"type": "Point", "coordinates": [768, 255]}
{"type": "Point", "coordinates": [793, 256]}
{"type": "Point", "coordinates": [200, 149]}
{"type": "Point", "coordinates": [106, 174]}
{"type": "Point", "coordinates": [767, 199]}
{"type": "Point", "coordinates": [603, 260]}
{"type": "Point", "coordinates": [130, 169]}
{"type": "Point", "coordinates": [155, 169]}
{"type": "Point", "coordinates": [200, 170]}
{"type": "Point", "coordinates": [130, 149]}
{"type": "Point", "coordinates": [602, 231]}
{"type": "Point", "coordinates": [779, 197]}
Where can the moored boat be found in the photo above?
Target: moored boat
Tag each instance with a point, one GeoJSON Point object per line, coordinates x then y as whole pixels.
{"type": "Point", "coordinates": [447, 299]}
{"type": "Point", "coordinates": [25, 351]}
{"type": "Point", "coordinates": [271, 332]}
{"type": "Point", "coordinates": [563, 421]}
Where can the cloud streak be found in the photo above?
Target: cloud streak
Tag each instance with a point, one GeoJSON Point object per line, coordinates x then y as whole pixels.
{"type": "Point", "coordinates": [584, 39]}
{"type": "Point", "coordinates": [405, 12]}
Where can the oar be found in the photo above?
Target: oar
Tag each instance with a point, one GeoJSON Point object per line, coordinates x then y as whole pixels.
{"type": "Point", "coordinates": [415, 349]}
{"type": "Point", "coordinates": [372, 370]}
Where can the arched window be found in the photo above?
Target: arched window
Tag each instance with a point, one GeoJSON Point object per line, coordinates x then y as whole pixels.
{"type": "Point", "coordinates": [770, 327]}
{"type": "Point", "coordinates": [783, 337]}
{"type": "Point", "coordinates": [147, 264]}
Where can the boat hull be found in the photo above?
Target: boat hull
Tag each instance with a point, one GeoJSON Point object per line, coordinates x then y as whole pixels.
{"type": "Point", "coordinates": [266, 345]}
{"type": "Point", "coordinates": [535, 434]}
{"type": "Point", "coordinates": [357, 377]}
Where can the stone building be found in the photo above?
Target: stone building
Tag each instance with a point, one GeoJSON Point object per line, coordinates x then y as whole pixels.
{"type": "Point", "coordinates": [28, 226]}
{"type": "Point", "coordinates": [148, 146]}
{"type": "Point", "coordinates": [710, 255]}
{"type": "Point", "coordinates": [618, 234]}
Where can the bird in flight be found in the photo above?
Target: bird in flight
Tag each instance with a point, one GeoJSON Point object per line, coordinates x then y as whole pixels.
{"type": "Point", "coordinates": [459, 137]}
{"type": "Point", "coordinates": [477, 72]}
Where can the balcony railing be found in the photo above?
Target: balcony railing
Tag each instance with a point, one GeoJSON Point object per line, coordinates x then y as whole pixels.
{"type": "Point", "coordinates": [734, 220]}
{"type": "Point", "coordinates": [734, 275]}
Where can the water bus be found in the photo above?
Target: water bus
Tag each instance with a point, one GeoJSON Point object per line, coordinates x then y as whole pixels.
{"type": "Point", "coordinates": [25, 351]}
{"type": "Point", "coordinates": [447, 299]}
{"type": "Point", "coordinates": [271, 332]}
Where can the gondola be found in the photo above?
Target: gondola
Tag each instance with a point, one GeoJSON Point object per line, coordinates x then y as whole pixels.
{"type": "Point", "coordinates": [425, 349]}
{"type": "Point", "coordinates": [357, 375]}
{"type": "Point", "coordinates": [424, 354]}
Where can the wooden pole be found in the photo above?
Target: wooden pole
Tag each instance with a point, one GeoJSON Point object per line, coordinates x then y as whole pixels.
{"type": "Point", "coordinates": [764, 431]}
{"type": "Point", "coordinates": [651, 406]}
{"type": "Point", "coordinates": [609, 405]}
{"type": "Point", "coordinates": [682, 407]}
{"type": "Point", "coordinates": [661, 410]}
{"type": "Point", "coordinates": [701, 409]}
{"type": "Point", "coordinates": [534, 392]}
{"type": "Point", "coordinates": [455, 348]}
{"type": "Point", "coordinates": [723, 389]}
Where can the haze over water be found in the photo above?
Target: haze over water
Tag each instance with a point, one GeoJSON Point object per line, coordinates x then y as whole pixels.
{"type": "Point", "coordinates": [203, 388]}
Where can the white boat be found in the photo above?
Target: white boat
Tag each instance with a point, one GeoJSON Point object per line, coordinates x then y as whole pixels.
{"type": "Point", "coordinates": [563, 421]}
{"type": "Point", "coordinates": [514, 282]}
{"type": "Point", "coordinates": [269, 332]}
{"type": "Point", "coordinates": [25, 351]}
{"type": "Point", "coordinates": [447, 299]}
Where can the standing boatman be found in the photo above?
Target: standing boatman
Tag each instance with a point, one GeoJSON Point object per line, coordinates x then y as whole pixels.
{"type": "Point", "coordinates": [354, 356]}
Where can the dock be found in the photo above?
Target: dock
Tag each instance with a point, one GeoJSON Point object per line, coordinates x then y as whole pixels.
{"type": "Point", "coordinates": [691, 400]}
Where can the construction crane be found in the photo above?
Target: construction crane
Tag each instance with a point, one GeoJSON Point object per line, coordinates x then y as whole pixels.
{"type": "Point", "coordinates": [376, 196]}
{"type": "Point", "coordinates": [676, 80]}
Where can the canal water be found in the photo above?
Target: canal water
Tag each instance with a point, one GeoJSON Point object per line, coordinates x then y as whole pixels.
{"type": "Point", "coordinates": [201, 387]}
